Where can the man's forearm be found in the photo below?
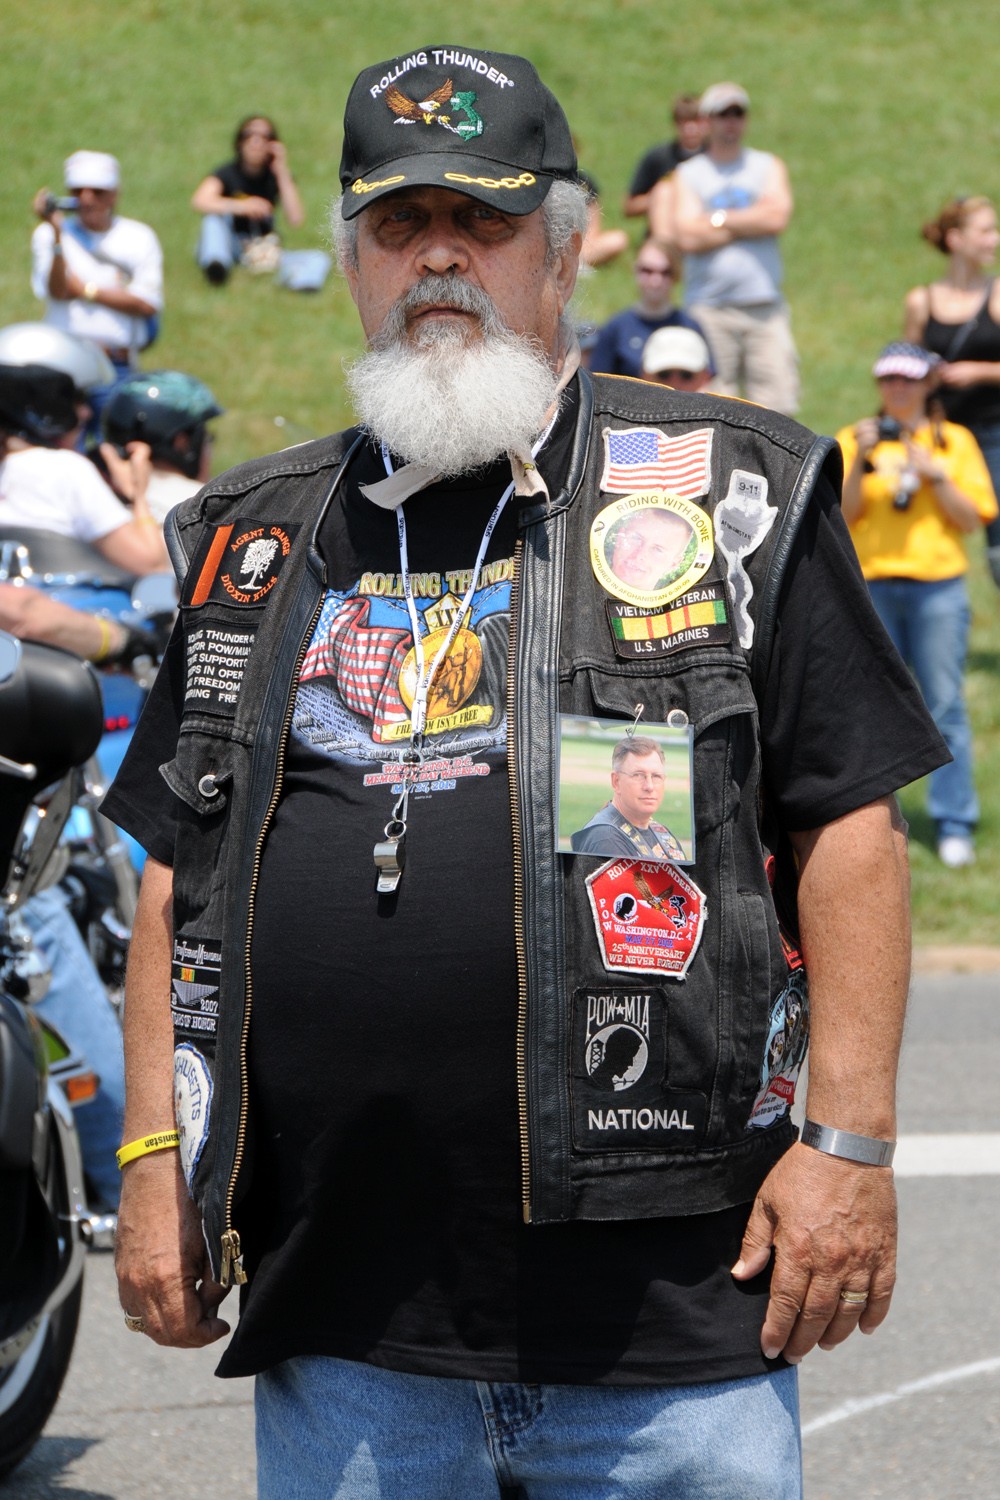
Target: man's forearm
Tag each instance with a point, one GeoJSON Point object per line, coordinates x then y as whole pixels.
{"type": "Point", "coordinates": [149, 1044]}
{"type": "Point", "coordinates": [854, 913]}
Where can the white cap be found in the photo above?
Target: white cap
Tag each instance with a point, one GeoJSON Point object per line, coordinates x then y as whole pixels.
{"type": "Point", "coordinates": [675, 349]}
{"type": "Point", "coordinates": [721, 96]}
{"type": "Point", "coordinates": [91, 169]}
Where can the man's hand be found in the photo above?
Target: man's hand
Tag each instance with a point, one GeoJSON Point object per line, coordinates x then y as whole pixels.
{"type": "Point", "coordinates": [161, 1259]}
{"type": "Point", "coordinates": [42, 209]}
{"type": "Point", "coordinates": [832, 1225]}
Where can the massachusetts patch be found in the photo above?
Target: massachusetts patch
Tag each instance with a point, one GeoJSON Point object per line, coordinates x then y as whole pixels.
{"type": "Point", "coordinates": [698, 618]}
{"type": "Point", "coordinates": [240, 563]}
{"type": "Point", "coordinates": [742, 521]}
{"type": "Point", "coordinates": [192, 1104]}
{"type": "Point", "coordinates": [648, 917]}
{"type": "Point", "coordinates": [647, 549]}
{"type": "Point", "coordinates": [641, 458]}
{"type": "Point", "coordinates": [217, 656]}
{"type": "Point", "coordinates": [194, 987]}
{"type": "Point", "coordinates": [784, 1052]}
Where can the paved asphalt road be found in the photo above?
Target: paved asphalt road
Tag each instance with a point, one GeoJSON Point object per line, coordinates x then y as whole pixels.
{"type": "Point", "coordinates": [910, 1414]}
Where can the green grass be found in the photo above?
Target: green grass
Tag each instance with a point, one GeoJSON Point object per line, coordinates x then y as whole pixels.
{"type": "Point", "coordinates": [882, 110]}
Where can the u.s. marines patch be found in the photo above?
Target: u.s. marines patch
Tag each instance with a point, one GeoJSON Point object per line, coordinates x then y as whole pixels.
{"type": "Point", "coordinates": [698, 618]}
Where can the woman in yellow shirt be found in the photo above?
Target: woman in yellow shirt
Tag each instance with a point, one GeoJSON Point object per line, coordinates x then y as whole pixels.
{"type": "Point", "coordinates": [914, 486]}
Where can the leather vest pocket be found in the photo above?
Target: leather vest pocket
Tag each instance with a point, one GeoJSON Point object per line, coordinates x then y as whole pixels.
{"type": "Point", "coordinates": [201, 778]}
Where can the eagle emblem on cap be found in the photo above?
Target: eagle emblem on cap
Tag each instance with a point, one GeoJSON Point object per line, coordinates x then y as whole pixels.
{"type": "Point", "coordinates": [412, 111]}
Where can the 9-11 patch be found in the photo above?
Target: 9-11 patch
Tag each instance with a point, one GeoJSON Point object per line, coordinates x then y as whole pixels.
{"type": "Point", "coordinates": [698, 618]}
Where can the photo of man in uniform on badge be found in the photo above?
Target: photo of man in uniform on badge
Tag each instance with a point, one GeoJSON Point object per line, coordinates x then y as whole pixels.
{"type": "Point", "coordinates": [650, 548]}
{"type": "Point", "coordinates": [626, 826]}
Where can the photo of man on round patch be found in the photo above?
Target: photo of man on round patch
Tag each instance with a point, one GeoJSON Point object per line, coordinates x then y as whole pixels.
{"type": "Point", "coordinates": [647, 549]}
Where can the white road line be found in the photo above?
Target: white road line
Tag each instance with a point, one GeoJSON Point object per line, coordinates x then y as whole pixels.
{"type": "Point", "coordinates": [900, 1393]}
{"type": "Point", "coordinates": [947, 1156]}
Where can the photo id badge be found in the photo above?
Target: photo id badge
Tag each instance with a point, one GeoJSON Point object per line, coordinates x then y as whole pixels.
{"type": "Point", "coordinates": [625, 789]}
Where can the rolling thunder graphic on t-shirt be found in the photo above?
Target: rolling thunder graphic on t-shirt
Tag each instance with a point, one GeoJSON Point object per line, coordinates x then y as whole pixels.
{"type": "Point", "coordinates": [359, 675]}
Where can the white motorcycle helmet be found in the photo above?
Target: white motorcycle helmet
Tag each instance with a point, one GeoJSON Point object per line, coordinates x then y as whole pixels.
{"type": "Point", "coordinates": [40, 344]}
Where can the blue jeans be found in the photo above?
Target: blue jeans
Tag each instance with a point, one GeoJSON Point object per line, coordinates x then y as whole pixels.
{"type": "Point", "coordinates": [929, 626]}
{"type": "Point", "coordinates": [218, 242]}
{"type": "Point", "coordinates": [79, 1007]}
{"type": "Point", "coordinates": [331, 1429]}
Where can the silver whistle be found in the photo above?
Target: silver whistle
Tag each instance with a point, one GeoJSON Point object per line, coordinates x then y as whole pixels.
{"type": "Point", "coordinates": [390, 856]}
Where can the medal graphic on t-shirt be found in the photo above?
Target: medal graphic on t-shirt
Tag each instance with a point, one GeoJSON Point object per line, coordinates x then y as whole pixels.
{"type": "Point", "coordinates": [455, 679]}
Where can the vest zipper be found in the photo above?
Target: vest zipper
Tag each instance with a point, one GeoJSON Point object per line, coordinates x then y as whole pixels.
{"type": "Point", "coordinates": [515, 815]}
{"type": "Point", "coordinates": [232, 1256]}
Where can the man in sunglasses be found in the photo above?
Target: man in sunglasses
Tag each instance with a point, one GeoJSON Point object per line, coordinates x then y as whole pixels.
{"type": "Point", "coordinates": [730, 205]}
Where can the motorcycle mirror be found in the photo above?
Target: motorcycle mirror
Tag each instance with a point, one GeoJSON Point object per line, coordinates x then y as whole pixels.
{"type": "Point", "coordinates": [10, 655]}
{"type": "Point", "coordinates": [156, 594]}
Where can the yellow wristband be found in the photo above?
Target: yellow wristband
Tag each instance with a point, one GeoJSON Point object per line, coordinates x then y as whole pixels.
{"type": "Point", "coordinates": [162, 1141]}
{"type": "Point", "coordinates": [105, 645]}
{"type": "Point", "coordinates": [90, 290]}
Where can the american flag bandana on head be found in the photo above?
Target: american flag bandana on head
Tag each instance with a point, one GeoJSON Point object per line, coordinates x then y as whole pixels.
{"type": "Point", "coordinates": [640, 458]}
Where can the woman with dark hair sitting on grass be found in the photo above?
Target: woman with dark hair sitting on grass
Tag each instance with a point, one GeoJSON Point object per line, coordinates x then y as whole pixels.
{"type": "Point", "coordinates": [239, 199]}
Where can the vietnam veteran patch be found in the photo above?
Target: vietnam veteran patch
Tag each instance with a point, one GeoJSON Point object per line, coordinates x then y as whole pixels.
{"type": "Point", "coordinates": [698, 618]}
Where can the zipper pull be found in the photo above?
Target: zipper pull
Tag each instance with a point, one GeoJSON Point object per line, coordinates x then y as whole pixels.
{"type": "Point", "coordinates": [232, 1259]}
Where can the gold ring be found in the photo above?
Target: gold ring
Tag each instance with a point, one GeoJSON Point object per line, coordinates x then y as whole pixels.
{"type": "Point", "coordinates": [134, 1324]}
{"type": "Point", "coordinates": [853, 1299]}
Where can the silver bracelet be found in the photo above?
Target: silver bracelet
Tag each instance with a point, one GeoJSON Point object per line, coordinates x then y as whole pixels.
{"type": "Point", "coordinates": [866, 1149]}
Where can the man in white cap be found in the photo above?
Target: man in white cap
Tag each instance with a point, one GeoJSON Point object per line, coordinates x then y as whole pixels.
{"type": "Point", "coordinates": [100, 275]}
{"type": "Point", "coordinates": [727, 207]}
{"type": "Point", "coordinates": [677, 357]}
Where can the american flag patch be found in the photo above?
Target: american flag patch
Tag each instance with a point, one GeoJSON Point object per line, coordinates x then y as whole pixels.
{"type": "Point", "coordinates": [641, 458]}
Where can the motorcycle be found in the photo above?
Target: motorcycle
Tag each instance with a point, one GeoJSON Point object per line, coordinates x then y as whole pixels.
{"type": "Point", "coordinates": [102, 879]}
{"type": "Point", "coordinates": [51, 719]}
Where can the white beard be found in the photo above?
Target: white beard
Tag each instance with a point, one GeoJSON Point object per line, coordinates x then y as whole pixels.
{"type": "Point", "coordinates": [447, 396]}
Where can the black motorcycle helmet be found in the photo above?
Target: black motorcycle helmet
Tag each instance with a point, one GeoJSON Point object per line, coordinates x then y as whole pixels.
{"type": "Point", "coordinates": [36, 403]}
{"type": "Point", "coordinates": [155, 408]}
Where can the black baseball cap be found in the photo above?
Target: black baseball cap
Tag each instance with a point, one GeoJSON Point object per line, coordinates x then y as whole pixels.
{"type": "Point", "coordinates": [481, 123]}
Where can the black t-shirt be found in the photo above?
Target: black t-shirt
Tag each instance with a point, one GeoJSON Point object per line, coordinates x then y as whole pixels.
{"type": "Point", "coordinates": [659, 161]}
{"type": "Point", "coordinates": [382, 1222]}
{"type": "Point", "coordinates": [238, 183]}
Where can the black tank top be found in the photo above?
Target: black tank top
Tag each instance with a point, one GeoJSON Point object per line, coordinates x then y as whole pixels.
{"type": "Point", "coordinates": [975, 405]}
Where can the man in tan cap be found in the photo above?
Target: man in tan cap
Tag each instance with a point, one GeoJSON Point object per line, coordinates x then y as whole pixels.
{"type": "Point", "coordinates": [100, 275]}
{"type": "Point", "coordinates": [678, 357]}
{"type": "Point", "coordinates": [726, 208]}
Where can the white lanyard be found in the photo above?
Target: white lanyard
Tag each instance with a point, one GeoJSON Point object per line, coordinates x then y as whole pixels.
{"type": "Point", "coordinates": [418, 713]}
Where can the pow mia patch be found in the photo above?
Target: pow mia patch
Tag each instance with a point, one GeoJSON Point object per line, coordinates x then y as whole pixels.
{"type": "Point", "coordinates": [619, 1065]}
{"type": "Point", "coordinates": [194, 987]}
{"type": "Point", "coordinates": [240, 563]}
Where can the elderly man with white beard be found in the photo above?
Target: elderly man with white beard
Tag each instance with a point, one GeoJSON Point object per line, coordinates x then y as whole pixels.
{"type": "Point", "coordinates": [496, 1140]}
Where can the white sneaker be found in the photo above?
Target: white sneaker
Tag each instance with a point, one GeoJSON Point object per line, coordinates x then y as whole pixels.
{"type": "Point", "coordinates": [955, 850]}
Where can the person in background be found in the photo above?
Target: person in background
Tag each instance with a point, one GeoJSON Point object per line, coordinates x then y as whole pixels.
{"type": "Point", "coordinates": [677, 357]}
{"type": "Point", "coordinates": [618, 347]}
{"type": "Point", "coordinates": [660, 161]}
{"type": "Point", "coordinates": [167, 412]}
{"type": "Point", "coordinates": [100, 275]}
{"type": "Point", "coordinates": [600, 245]}
{"type": "Point", "coordinates": [238, 199]}
{"type": "Point", "coordinates": [958, 317]}
{"type": "Point", "coordinates": [725, 212]}
{"type": "Point", "coordinates": [44, 486]}
{"type": "Point", "coordinates": [914, 487]}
